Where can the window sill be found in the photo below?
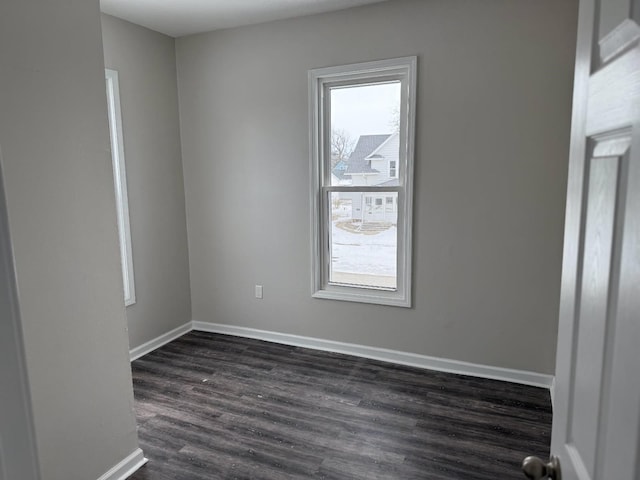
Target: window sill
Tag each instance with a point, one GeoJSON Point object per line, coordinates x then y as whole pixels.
{"type": "Point", "coordinates": [367, 296]}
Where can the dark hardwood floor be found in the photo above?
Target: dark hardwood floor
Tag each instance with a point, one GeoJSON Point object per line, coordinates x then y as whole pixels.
{"type": "Point", "coordinates": [219, 407]}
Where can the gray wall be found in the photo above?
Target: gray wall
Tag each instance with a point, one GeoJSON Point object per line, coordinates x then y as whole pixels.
{"type": "Point", "coordinates": [146, 66]}
{"type": "Point", "coordinates": [54, 138]}
{"type": "Point", "coordinates": [18, 458]}
{"type": "Point", "coordinates": [492, 144]}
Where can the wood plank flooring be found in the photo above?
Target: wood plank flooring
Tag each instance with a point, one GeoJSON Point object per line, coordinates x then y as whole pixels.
{"type": "Point", "coordinates": [213, 407]}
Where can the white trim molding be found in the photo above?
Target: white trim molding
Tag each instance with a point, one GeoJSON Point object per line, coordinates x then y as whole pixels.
{"type": "Point", "coordinates": [522, 377]}
{"type": "Point", "coordinates": [403, 358]}
{"type": "Point", "coordinates": [157, 342]}
{"type": "Point", "coordinates": [120, 185]}
{"type": "Point", "coordinates": [126, 467]}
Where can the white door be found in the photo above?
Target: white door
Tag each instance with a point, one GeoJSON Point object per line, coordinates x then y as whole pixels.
{"type": "Point", "coordinates": [17, 446]}
{"type": "Point", "coordinates": [596, 424]}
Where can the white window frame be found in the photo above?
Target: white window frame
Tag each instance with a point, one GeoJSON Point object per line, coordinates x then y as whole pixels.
{"type": "Point", "coordinates": [320, 81]}
{"type": "Point", "coordinates": [120, 185]}
{"type": "Point", "coordinates": [393, 169]}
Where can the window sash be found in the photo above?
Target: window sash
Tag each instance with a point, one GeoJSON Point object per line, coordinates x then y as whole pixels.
{"type": "Point", "coordinates": [325, 113]}
{"type": "Point", "coordinates": [361, 188]}
{"type": "Point", "coordinates": [326, 247]}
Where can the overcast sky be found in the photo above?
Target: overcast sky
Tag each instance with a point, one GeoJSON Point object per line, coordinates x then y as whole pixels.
{"type": "Point", "coordinates": [364, 110]}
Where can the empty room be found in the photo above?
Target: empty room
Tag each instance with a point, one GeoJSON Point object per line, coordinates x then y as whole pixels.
{"type": "Point", "coordinates": [332, 239]}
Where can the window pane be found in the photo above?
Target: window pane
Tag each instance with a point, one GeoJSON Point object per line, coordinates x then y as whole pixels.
{"type": "Point", "coordinates": [364, 239]}
{"type": "Point", "coordinates": [365, 124]}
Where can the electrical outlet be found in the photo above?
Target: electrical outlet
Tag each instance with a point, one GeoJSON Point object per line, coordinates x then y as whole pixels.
{"type": "Point", "coordinates": [258, 291]}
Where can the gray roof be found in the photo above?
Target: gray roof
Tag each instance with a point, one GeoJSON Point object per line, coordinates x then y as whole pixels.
{"type": "Point", "coordinates": [365, 146]}
{"type": "Point", "coordinates": [394, 182]}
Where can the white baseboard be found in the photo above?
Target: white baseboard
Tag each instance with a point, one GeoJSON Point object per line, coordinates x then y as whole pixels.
{"type": "Point", "coordinates": [126, 467]}
{"type": "Point", "coordinates": [383, 354]}
{"type": "Point", "coordinates": [157, 342]}
{"type": "Point", "coordinates": [394, 356]}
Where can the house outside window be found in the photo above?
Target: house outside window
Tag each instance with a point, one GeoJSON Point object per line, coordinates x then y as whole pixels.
{"type": "Point", "coordinates": [362, 191]}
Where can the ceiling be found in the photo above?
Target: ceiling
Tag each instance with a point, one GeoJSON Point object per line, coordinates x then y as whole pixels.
{"type": "Point", "coordinates": [184, 17]}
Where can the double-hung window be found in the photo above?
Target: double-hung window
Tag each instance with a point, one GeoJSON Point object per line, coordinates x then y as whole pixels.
{"type": "Point", "coordinates": [362, 215]}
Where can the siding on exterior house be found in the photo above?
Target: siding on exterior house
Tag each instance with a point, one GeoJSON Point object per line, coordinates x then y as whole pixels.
{"type": "Point", "coordinates": [369, 165]}
{"type": "Point", "coordinates": [381, 157]}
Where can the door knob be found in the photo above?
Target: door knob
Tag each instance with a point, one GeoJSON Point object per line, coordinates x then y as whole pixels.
{"type": "Point", "coordinates": [536, 469]}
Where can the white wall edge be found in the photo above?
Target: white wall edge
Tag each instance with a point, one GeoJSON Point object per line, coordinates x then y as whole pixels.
{"type": "Point", "coordinates": [126, 467]}
{"type": "Point", "coordinates": [157, 342]}
{"type": "Point", "coordinates": [393, 356]}
{"type": "Point", "coordinates": [552, 393]}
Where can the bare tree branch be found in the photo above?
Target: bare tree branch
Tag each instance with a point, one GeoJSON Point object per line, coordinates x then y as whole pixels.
{"type": "Point", "coordinates": [395, 119]}
{"type": "Point", "coordinates": [341, 146]}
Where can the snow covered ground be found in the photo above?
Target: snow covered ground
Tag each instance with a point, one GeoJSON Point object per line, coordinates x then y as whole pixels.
{"type": "Point", "coordinates": [371, 254]}
{"type": "Point", "coordinates": [360, 253]}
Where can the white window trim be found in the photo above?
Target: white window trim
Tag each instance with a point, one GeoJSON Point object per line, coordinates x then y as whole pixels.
{"type": "Point", "coordinates": [120, 185]}
{"type": "Point", "coordinates": [398, 68]}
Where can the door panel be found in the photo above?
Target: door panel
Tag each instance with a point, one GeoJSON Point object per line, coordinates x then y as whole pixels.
{"type": "Point", "coordinates": [596, 426]}
{"type": "Point", "coordinates": [591, 335]}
